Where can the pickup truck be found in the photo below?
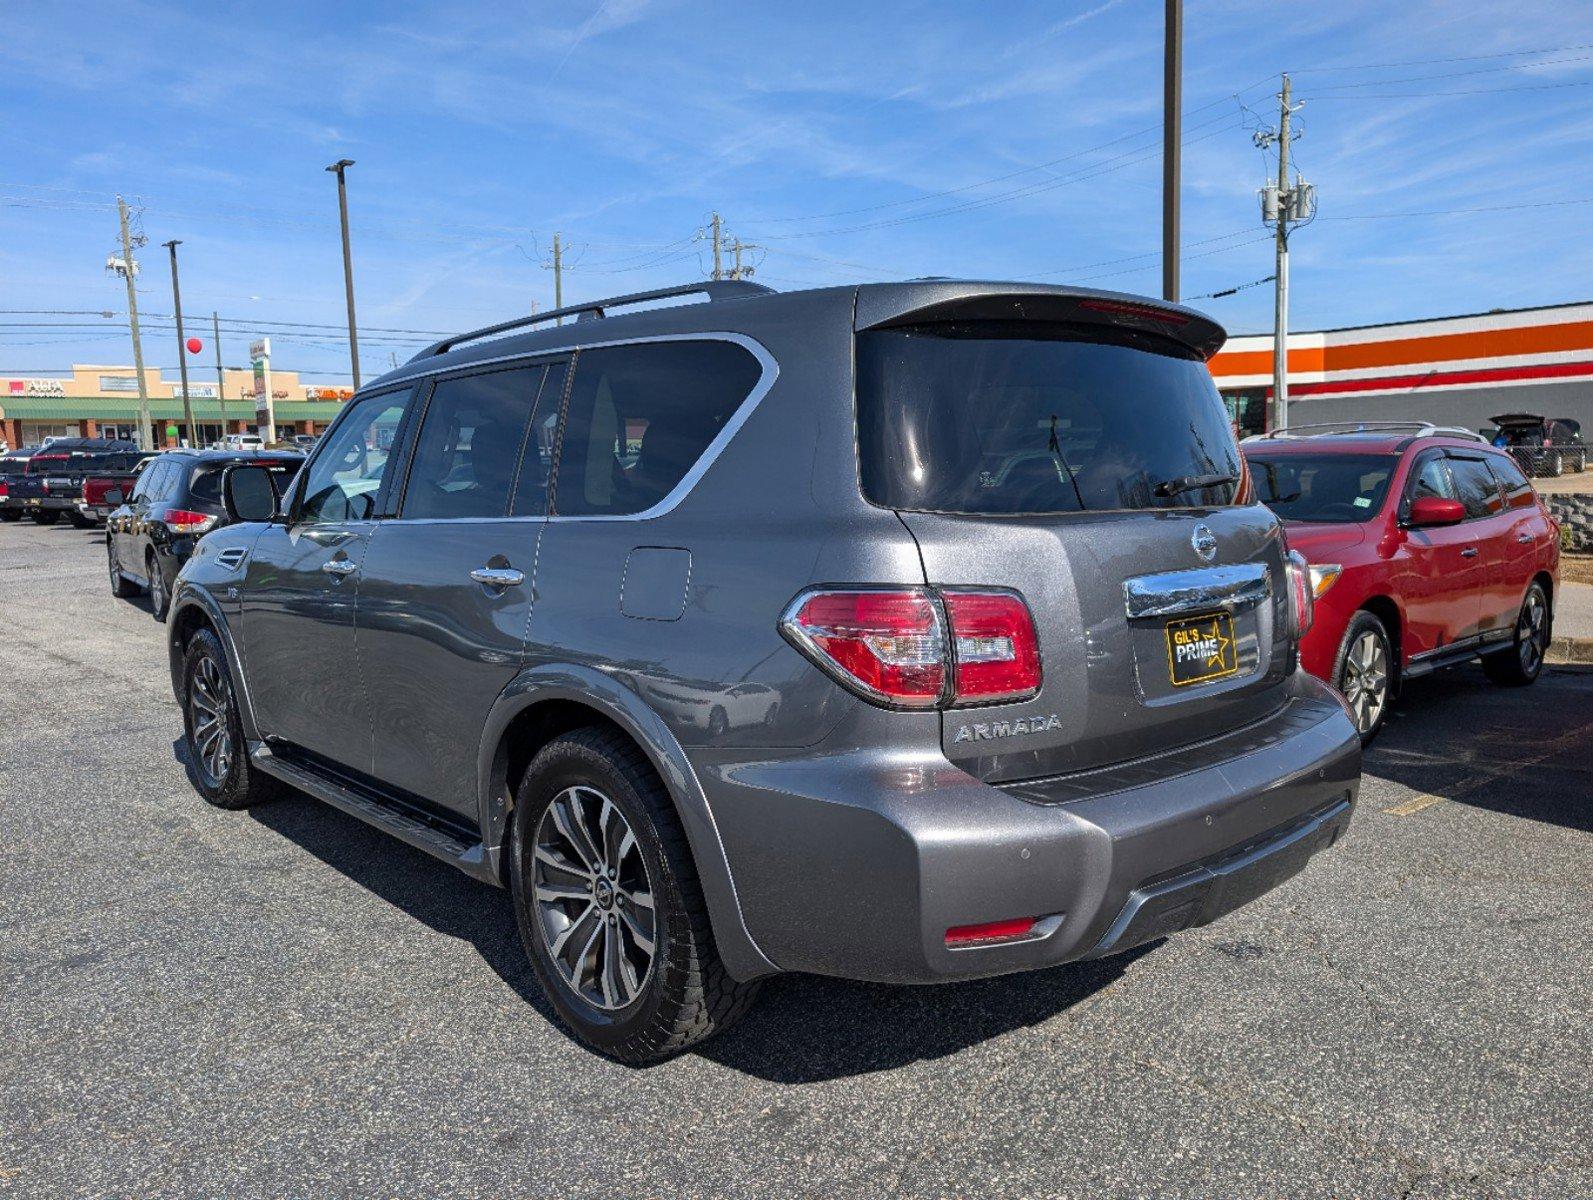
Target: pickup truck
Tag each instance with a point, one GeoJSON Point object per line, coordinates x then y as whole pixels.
{"type": "Point", "coordinates": [13, 466]}
{"type": "Point", "coordinates": [53, 482]}
{"type": "Point", "coordinates": [104, 492]}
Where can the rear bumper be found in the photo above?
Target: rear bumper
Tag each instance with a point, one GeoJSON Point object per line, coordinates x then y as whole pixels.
{"type": "Point", "coordinates": [858, 864]}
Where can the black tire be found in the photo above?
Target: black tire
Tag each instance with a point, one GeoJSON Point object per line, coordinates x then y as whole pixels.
{"type": "Point", "coordinates": [159, 597]}
{"type": "Point", "coordinates": [685, 994]}
{"type": "Point", "coordinates": [9, 515]}
{"type": "Point", "coordinates": [46, 517]}
{"type": "Point", "coordinates": [1364, 672]}
{"type": "Point", "coordinates": [233, 783]}
{"type": "Point", "coordinates": [1522, 663]}
{"type": "Point", "coordinates": [121, 586]}
{"type": "Point", "coordinates": [79, 521]}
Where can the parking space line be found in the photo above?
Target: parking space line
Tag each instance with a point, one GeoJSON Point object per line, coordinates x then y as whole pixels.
{"type": "Point", "coordinates": [1491, 775]}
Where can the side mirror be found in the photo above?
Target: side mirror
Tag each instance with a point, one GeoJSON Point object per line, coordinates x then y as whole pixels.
{"type": "Point", "coordinates": [1429, 511]}
{"type": "Point", "coordinates": [114, 496]}
{"type": "Point", "coordinates": [248, 495]}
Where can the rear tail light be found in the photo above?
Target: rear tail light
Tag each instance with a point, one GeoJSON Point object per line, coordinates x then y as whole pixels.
{"type": "Point", "coordinates": [1301, 594]}
{"type": "Point", "coordinates": [997, 653]}
{"type": "Point", "coordinates": [5, 489]}
{"type": "Point", "coordinates": [892, 646]}
{"type": "Point", "coordinates": [889, 646]}
{"type": "Point", "coordinates": [181, 520]}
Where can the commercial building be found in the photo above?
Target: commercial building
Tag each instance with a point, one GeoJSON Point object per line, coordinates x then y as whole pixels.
{"type": "Point", "coordinates": [1448, 370]}
{"type": "Point", "coordinates": [102, 401]}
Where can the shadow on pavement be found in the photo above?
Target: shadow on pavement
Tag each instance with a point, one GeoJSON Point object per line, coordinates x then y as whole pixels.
{"type": "Point", "coordinates": [803, 1028]}
{"type": "Point", "coordinates": [1526, 752]}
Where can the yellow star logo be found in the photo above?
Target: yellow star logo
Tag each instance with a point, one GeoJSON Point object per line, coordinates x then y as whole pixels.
{"type": "Point", "coordinates": [1222, 644]}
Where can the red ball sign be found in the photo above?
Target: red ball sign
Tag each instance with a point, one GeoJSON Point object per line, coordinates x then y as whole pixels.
{"type": "Point", "coordinates": [195, 345]}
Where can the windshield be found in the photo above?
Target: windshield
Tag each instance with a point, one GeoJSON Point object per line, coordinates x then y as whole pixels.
{"type": "Point", "coordinates": [1029, 417]}
{"type": "Point", "coordinates": [1330, 488]}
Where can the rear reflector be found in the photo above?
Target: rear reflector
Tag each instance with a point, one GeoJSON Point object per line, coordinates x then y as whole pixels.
{"type": "Point", "coordinates": [990, 933]}
{"type": "Point", "coordinates": [997, 652]}
{"type": "Point", "coordinates": [888, 645]}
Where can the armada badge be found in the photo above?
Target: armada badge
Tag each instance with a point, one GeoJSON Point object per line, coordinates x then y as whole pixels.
{"type": "Point", "coordinates": [1204, 542]}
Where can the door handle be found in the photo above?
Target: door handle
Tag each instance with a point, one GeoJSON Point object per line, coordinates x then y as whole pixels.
{"type": "Point", "coordinates": [339, 567]}
{"type": "Point", "coordinates": [498, 577]}
{"type": "Point", "coordinates": [1469, 552]}
{"type": "Point", "coordinates": [1525, 538]}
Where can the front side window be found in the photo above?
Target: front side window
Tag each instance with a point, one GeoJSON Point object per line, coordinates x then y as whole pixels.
{"type": "Point", "coordinates": [469, 444]}
{"type": "Point", "coordinates": [1432, 479]}
{"type": "Point", "coordinates": [1038, 417]}
{"type": "Point", "coordinates": [1476, 487]}
{"type": "Point", "coordinates": [344, 479]}
{"type": "Point", "coordinates": [640, 417]}
{"type": "Point", "coordinates": [1331, 488]}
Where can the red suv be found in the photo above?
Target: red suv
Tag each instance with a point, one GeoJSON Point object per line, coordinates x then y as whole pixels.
{"type": "Point", "coordinates": [1427, 547]}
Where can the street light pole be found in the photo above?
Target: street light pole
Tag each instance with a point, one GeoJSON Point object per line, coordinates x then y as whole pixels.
{"type": "Point", "coordinates": [337, 169]}
{"type": "Point", "coordinates": [1172, 139]}
{"type": "Point", "coordinates": [182, 349]}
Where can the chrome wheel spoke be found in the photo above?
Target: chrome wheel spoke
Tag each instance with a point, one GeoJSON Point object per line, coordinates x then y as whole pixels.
{"type": "Point", "coordinates": [593, 898]}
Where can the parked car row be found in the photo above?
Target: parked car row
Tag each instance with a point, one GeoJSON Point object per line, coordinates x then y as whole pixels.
{"type": "Point", "coordinates": [45, 483]}
{"type": "Point", "coordinates": [908, 632]}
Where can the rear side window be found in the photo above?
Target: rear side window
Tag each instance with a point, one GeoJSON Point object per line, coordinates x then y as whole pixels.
{"type": "Point", "coordinates": [469, 444]}
{"type": "Point", "coordinates": [640, 417]}
{"type": "Point", "coordinates": [1476, 487]}
{"type": "Point", "coordinates": [1019, 417]}
{"type": "Point", "coordinates": [1518, 492]}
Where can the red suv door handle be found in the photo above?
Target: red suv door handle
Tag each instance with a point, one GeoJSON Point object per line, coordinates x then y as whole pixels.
{"type": "Point", "coordinates": [1469, 552]}
{"type": "Point", "coordinates": [1525, 537]}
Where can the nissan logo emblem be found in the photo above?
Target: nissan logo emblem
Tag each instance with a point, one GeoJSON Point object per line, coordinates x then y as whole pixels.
{"type": "Point", "coordinates": [1204, 542]}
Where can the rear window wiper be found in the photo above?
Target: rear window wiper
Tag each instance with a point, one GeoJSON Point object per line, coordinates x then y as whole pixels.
{"type": "Point", "coordinates": [1189, 483]}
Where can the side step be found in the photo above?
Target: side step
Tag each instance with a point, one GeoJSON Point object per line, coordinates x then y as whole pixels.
{"type": "Point", "coordinates": [432, 837]}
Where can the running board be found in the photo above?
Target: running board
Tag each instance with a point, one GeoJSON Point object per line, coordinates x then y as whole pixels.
{"type": "Point", "coordinates": [431, 837]}
{"type": "Point", "coordinates": [1453, 656]}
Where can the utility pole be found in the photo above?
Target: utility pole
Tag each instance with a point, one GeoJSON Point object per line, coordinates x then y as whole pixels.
{"type": "Point", "coordinates": [558, 275]}
{"type": "Point", "coordinates": [718, 233]}
{"type": "Point", "coordinates": [1172, 142]}
{"type": "Point", "coordinates": [182, 349]}
{"type": "Point", "coordinates": [128, 269]}
{"type": "Point", "coordinates": [221, 379]}
{"type": "Point", "coordinates": [737, 271]}
{"type": "Point", "coordinates": [1283, 205]}
{"type": "Point", "coordinates": [338, 168]}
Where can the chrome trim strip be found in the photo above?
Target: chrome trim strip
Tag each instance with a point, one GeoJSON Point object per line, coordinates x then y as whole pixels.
{"type": "Point", "coordinates": [770, 368]}
{"type": "Point", "coordinates": [1201, 590]}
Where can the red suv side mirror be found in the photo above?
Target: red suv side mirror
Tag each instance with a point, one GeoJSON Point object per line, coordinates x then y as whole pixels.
{"type": "Point", "coordinates": [1435, 510]}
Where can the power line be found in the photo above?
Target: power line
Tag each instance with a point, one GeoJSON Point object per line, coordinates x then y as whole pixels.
{"type": "Point", "coordinates": [1445, 212]}
{"type": "Point", "coordinates": [1537, 87]}
{"type": "Point", "coordinates": [1432, 62]}
{"type": "Point", "coordinates": [1365, 83]}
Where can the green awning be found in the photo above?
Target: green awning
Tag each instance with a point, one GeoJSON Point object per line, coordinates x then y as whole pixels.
{"type": "Point", "coordinates": [125, 408]}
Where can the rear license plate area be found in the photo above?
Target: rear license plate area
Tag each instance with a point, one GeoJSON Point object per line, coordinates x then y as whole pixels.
{"type": "Point", "coordinates": [1201, 649]}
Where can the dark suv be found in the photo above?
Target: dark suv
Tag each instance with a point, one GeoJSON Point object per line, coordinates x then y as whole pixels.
{"type": "Point", "coordinates": [904, 632]}
{"type": "Point", "coordinates": [174, 503]}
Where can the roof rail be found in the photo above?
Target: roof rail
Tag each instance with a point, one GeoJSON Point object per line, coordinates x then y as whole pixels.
{"type": "Point", "coordinates": [714, 289]}
{"type": "Point", "coordinates": [1328, 428]}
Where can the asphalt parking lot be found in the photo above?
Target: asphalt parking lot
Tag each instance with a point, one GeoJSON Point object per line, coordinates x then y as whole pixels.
{"type": "Point", "coordinates": [284, 1002]}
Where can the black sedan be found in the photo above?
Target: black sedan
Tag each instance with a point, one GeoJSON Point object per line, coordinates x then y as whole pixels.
{"type": "Point", "coordinates": [176, 501]}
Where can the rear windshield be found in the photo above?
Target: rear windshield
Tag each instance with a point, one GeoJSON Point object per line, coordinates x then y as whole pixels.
{"type": "Point", "coordinates": [206, 483]}
{"type": "Point", "coordinates": [1331, 488]}
{"type": "Point", "coordinates": [1018, 417]}
{"type": "Point", "coordinates": [13, 466]}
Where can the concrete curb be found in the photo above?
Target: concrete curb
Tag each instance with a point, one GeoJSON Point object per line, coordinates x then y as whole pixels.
{"type": "Point", "coordinates": [1570, 650]}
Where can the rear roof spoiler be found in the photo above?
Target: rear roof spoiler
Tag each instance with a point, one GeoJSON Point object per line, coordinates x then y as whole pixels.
{"type": "Point", "coordinates": [881, 306]}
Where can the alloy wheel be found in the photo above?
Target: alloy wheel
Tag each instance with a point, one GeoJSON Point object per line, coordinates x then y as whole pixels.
{"type": "Point", "coordinates": [1532, 630]}
{"type": "Point", "coordinates": [593, 898]}
{"type": "Point", "coordinates": [209, 710]}
{"type": "Point", "coordinates": [1366, 680]}
{"type": "Point", "coordinates": [157, 588]}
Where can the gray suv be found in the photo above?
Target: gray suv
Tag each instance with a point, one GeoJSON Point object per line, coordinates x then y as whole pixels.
{"type": "Point", "coordinates": [904, 632]}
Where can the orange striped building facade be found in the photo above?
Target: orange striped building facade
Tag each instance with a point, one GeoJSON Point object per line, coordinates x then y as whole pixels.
{"type": "Point", "coordinates": [1449, 370]}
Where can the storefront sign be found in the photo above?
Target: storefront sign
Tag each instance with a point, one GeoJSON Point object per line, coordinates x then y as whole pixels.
{"type": "Point", "coordinates": [260, 360]}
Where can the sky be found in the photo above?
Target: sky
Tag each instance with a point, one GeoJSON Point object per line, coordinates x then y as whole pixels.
{"type": "Point", "coordinates": [1451, 143]}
